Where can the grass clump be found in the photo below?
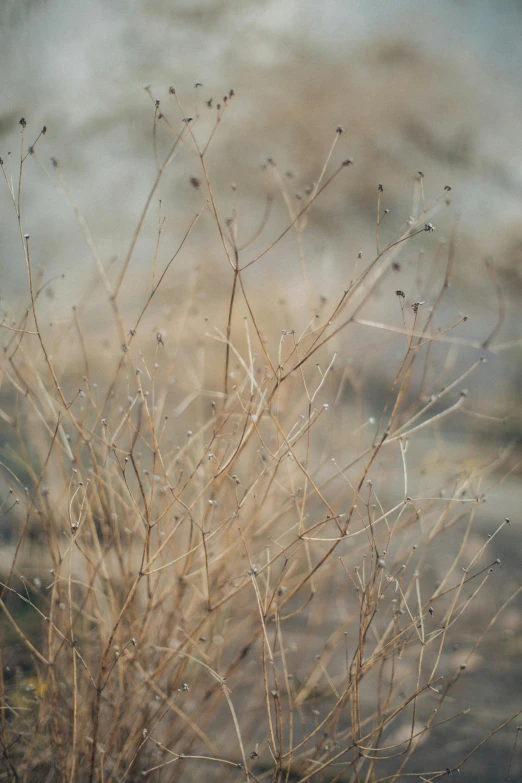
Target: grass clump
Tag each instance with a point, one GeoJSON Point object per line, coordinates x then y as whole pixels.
{"type": "Point", "coordinates": [239, 574]}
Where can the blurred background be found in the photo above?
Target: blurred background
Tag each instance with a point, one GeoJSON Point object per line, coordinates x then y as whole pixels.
{"type": "Point", "coordinates": [417, 86]}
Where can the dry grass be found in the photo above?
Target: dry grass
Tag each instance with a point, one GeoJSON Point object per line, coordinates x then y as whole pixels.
{"type": "Point", "coordinates": [240, 562]}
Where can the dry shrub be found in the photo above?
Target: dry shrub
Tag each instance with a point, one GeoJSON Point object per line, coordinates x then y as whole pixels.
{"type": "Point", "coordinates": [236, 572]}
